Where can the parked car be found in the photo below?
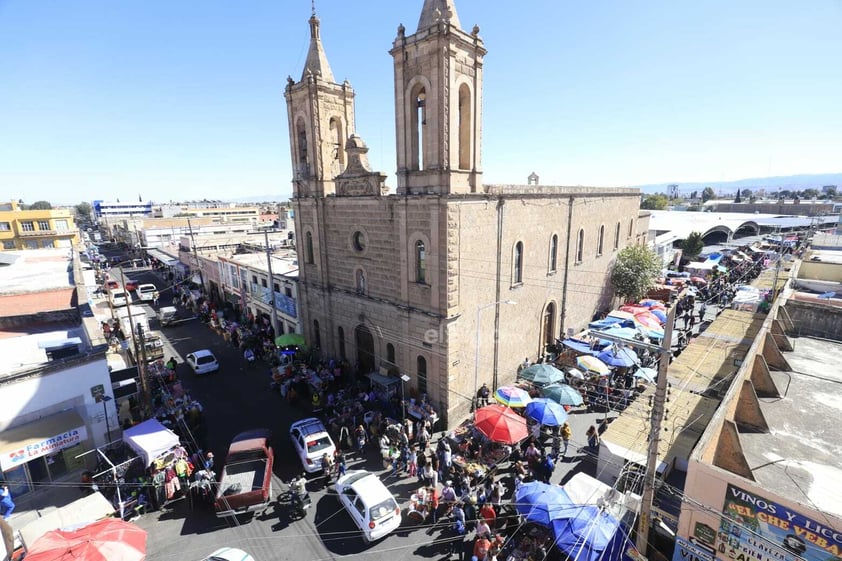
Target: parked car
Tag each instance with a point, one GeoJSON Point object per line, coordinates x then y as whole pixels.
{"type": "Point", "coordinates": [110, 284]}
{"type": "Point", "coordinates": [131, 284]}
{"type": "Point", "coordinates": [202, 361]}
{"type": "Point", "coordinates": [245, 483]}
{"type": "Point", "coordinates": [229, 554]}
{"type": "Point", "coordinates": [370, 504]}
{"type": "Point", "coordinates": [118, 297]}
{"type": "Point", "coordinates": [146, 291]}
{"type": "Point", "coordinates": [311, 441]}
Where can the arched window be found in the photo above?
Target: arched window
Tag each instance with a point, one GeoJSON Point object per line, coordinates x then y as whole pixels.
{"type": "Point", "coordinates": [303, 170]}
{"type": "Point", "coordinates": [464, 127]}
{"type": "Point", "coordinates": [600, 240]}
{"type": "Point", "coordinates": [308, 242]}
{"type": "Point", "coordinates": [419, 120]}
{"type": "Point", "coordinates": [517, 271]}
{"type": "Point", "coordinates": [390, 353]}
{"type": "Point", "coordinates": [337, 138]}
{"type": "Point", "coordinates": [553, 253]}
{"type": "Point", "coordinates": [580, 246]}
{"type": "Point", "coordinates": [341, 342]}
{"type": "Point", "coordinates": [420, 262]}
{"type": "Point", "coordinates": [317, 334]}
{"type": "Point", "coordinates": [421, 369]}
{"type": "Point", "coordinates": [617, 238]}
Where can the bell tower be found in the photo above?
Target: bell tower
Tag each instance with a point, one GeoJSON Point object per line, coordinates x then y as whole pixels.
{"type": "Point", "coordinates": [438, 104]}
{"type": "Point", "coordinates": [321, 118]}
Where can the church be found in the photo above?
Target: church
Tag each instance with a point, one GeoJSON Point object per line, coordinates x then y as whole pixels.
{"type": "Point", "coordinates": [444, 281]}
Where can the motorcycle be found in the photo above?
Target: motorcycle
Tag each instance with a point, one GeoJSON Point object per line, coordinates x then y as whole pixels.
{"type": "Point", "coordinates": [298, 502]}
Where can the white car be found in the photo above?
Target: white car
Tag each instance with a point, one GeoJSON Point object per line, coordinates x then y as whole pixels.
{"type": "Point", "coordinates": [229, 554]}
{"type": "Point", "coordinates": [146, 291]}
{"type": "Point", "coordinates": [118, 297]}
{"type": "Point", "coordinates": [369, 503]}
{"type": "Point", "coordinates": [202, 361]}
{"type": "Point", "coordinates": [311, 442]}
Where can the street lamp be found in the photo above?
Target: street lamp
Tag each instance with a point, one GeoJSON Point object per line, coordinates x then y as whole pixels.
{"type": "Point", "coordinates": [404, 380]}
{"type": "Point", "coordinates": [105, 399]}
{"type": "Point", "coordinates": [476, 357]}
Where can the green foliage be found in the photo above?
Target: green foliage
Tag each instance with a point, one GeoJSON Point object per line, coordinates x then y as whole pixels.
{"type": "Point", "coordinates": [84, 210]}
{"type": "Point", "coordinates": [635, 271]}
{"type": "Point", "coordinates": [693, 245]}
{"type": "Point", "coordinates": [746, 193]}
{"type": "Point", "coordinates": [40, 205]}
{"type": "Point", "coordinates": [809, 193]}
{"type": "Point", "coordinates": [655, 202]}
{"type": "Point", "coordinates": [708, 194]}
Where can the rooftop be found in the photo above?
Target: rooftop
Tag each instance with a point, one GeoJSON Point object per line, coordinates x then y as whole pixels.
{"type": "Point", "coordinates": [30, 349]}
{"type": "Point", "coordinates": [801, 456]}
{"type": "Point", "coordinates": [35, 270]}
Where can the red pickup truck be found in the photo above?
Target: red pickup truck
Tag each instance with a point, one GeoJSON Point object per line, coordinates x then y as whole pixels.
{"type": "Point", "coordinates": [245, 484]}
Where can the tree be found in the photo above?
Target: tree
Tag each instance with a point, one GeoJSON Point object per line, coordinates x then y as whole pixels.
{"type": "Point", "coordinates": [40, 205]}
{"type": "Point", "coordinates": [694, 195]}
{"type": "Point", "coordinates": [737, 199]}
{"type": "Point", "coordinates": [655, 202]}
{"type": "Point", "coordinates": [809, 194]}
{"type": "Point", "coordinates": [635, 272]}
{"type": "Point", "coordinates": [692, 245]}
{"type": "Point", "coordinates": [84, 210]}
{"type": "Point", "coordinates": [747, 194]}
{"type": "Point", "coordinates": [707, 194]}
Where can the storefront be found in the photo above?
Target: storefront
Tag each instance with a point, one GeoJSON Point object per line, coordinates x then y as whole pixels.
{"type": "Point", "coordinates": [42, 451]}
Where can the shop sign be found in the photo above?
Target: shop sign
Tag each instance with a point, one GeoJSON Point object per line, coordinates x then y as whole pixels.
{"type": "Point", "coordinates": [757, 529]}
{"type": "Point", "coordinates": [18, 456]}
{"type": "Point", "coordinates": [686, 551]}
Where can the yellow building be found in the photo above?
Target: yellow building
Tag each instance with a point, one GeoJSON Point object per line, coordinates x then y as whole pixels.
{"type": "Point", "coordinates": [36, 229]}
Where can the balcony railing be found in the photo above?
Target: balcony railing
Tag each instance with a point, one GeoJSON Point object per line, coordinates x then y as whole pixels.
{"type": "Point", "coordinates": [35, 233]}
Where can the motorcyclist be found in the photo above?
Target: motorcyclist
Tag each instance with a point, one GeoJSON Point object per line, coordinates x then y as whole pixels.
{"type": "Point", "coordinates": [298, 490]}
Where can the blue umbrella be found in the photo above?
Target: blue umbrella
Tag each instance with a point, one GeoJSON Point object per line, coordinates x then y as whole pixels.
{"type": "Point", "coordinates": [586, 533]}
{"type": "Point", "coordinates": [659, 314]}
{"type": "Point", "coordinates": [546, 411]}
{"type": "Point", "coordinates": [648, 374]}
{"type": "Point", "coordinates": [827, 295]}
{"type": "Point", "coordinates": [541, 503]}
{"type": "Point", "coordinates": [621, 357]}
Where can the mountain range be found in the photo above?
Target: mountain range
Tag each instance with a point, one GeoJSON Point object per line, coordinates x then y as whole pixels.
{"type": "Point", "coordinates": [770, 184]}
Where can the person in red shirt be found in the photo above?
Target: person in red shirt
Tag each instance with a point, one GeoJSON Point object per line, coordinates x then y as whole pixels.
{"type": "Point", "coordinates": [488, 514]}
{"type": "Point", "coordinates": [481, 547]}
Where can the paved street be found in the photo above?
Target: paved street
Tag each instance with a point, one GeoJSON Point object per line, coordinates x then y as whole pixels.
{"type": "Point", "coordinates": [237, 398]}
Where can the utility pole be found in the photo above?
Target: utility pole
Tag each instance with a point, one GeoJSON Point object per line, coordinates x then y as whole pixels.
{"type": "Point", "coordinates": [268, 249]}
{"type": "Point", "coordinates": [655, 433]}
{"type": "Point", "coordinates": [196, 255]}
{"type": "Point", "coordinates": [141, 365]}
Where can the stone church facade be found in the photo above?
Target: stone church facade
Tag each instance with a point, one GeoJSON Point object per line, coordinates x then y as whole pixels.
{"type": "Point", "coordinates": [447, 280]}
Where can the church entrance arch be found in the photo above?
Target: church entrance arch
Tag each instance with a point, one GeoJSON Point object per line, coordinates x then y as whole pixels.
{"type": "Point", "coordinates": [365, 349]}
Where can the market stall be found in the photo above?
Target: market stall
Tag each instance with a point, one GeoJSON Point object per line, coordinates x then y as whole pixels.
{"type": "Point", "coordinates": [150, 440]}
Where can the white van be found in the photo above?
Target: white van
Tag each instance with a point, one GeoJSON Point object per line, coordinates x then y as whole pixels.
{"type": "Point", "coordinates": [118, 297]}
{"type": "Point", "coordinates": [146, 292]}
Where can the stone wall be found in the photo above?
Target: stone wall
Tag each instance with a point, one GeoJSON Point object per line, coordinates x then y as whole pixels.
{"type": "Point", "coordinates": [812, 320]}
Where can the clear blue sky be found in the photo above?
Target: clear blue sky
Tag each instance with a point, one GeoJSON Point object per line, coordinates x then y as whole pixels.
{"type": "Point", "coordinates": [181, 100]}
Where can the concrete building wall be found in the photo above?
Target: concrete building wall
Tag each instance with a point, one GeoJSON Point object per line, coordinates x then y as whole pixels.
{"type": "Point", "coordinates": [815, 320]}
{"type": "Point", "coordinates": [28, 399]}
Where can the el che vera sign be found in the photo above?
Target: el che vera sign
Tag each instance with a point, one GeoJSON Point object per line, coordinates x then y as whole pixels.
{"type": "Point", "coordinates": [759, 529]}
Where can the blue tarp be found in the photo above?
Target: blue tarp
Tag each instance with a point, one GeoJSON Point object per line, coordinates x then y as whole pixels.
{"type": "Point", "coordinates": [579, 346]}
{"type": "Point", "coordinates": [586, 533]}
{"type": "Point", "coordinates": [605, 323]}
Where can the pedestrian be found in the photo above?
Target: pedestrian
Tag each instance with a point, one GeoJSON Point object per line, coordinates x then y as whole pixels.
{"type": "Point", "coordinates": [702, 311]}
{"type": "Point", "coordinates": [155, 297]}
{"type": "Point", "coordinates": [340, 462]}
{"type": "Point", "coordinates": [457, 538]}
{"type": "Point", "coordinates": [593, 438]}
{"type": "Point", "coordinates": [692, 322]}
{"type": "Point", "coordinates": [566, 433]}
{"type": "Point", "coordinates": [687, 317]}
{"type": "Point", "coordinates": [208, 461]}
{"type": "Point", "coordinates": [548, 466]}
{"type": "Point", "coordinates": [482, 396]}
{"type": "Point", "coordinates": [412, 461]}
{"type": "Point", "coordinates": [7, 505]}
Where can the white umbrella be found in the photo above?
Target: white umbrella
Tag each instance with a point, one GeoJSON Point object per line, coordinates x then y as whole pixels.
{"type": "Point", "coordinates": [575, 373]}
{"type": "Point", "coordinates": [648, 374]}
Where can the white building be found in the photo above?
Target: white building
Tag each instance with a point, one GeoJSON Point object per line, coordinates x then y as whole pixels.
{"type": "Point", "coordinates": [116, 209]}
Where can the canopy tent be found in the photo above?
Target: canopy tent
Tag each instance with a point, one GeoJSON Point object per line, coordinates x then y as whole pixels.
{"type": "Point", "coordinates": [150, 439]}
{"type": "Point", "coordinates": [579, 346]}
{"type": "Point", "coordinates": [605, 323]}
{"type": "Point", "coordinates": [587, 533]}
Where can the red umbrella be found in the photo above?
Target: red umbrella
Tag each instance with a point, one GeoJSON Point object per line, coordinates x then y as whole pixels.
{"type": "Point", "coordinates": [698, 280]}
{"type": "Point", "coordinates": [634, 310]}
{"type": "Point", "coordinates": [500, 424]}
{"type": "Point", "coordinates": [110, 539]}
{"type": "Point", "coordinates": [648, 319]}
